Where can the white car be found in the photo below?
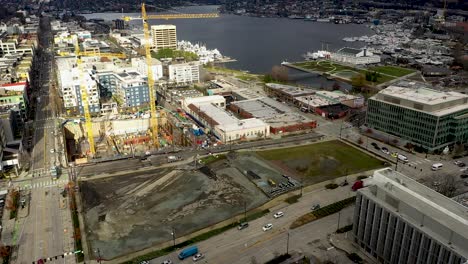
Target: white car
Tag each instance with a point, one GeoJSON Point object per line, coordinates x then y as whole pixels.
{"type": "Point", "coordinates": [167, 262]}
{"type": "Point", "coordinates": [278, 214]}
{"type": "Point", "coordinates": [267, 227]}
{"type": "Point", "coordinates": [198, 256]}
{"type": "Point", "coordinates": [52, 150]}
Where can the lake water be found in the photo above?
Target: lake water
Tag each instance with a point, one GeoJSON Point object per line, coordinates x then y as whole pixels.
{"type": "Point", "coordinates": [258, 43]}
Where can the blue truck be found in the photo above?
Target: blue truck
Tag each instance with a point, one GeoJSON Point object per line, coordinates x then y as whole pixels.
{"type": "Point", "coordinates": [188, 252]}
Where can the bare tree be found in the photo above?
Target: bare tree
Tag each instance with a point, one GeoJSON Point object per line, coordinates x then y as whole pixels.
{"type": "Point", "coordinates": [445, 184]}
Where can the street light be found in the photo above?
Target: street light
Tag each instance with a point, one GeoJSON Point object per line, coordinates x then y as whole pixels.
{"type": "Point", "coordinates": [173, 236]}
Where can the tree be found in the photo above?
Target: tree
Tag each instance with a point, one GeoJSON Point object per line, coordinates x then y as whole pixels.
{"type": "Point", "coordinates": [358, 81]}
{"type": "Point", "coordinates": [336, 86]}
{"type": "Point", "coordinates": [409, 146]}
{"type": "Point", "coordinates": [279, 73]}
{"type": "Point", "coordinates": [445, 184]}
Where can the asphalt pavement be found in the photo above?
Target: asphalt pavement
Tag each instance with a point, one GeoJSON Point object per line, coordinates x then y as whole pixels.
{"type": "Point", "coordinates": [47, 231]}
{"type": "Point", "coordinates": [241, 246]}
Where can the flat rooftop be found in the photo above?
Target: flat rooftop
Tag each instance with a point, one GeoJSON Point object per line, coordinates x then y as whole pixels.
{"type": "Point", "coordinates": [274, 113]}
{"type": "Point", "coordinates": [426, 209]}
{"type": "Point", "coordinates": [290, 90]}
{"type": "Point", "coordinates": [424, 99]}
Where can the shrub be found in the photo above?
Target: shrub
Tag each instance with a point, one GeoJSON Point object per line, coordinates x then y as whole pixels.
{"type": "Point", "coordinates": [344, 229]}
{"type": "Point", "coordinates": [279, 259]}
{"type": "Point", "coordinates": [293, 199]}
{"type": "Point", "coordinates": [361, 177]}
{"type": "Point", "coordinates": [355, 258]}
{"type": "Point", "coordinates": [331, 186]}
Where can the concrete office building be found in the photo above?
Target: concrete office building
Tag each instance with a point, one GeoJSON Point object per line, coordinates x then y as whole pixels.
{"type": "Point", "coordinates": [398, 220]}
{"type": "Point", "coordinates": [164, 37]}
{"type": "Point", "coordinates": [427, 118]}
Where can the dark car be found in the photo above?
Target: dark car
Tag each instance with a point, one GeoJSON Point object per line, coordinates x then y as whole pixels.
{"type": "Point", "coordinates": [461, 164]}
{"type": "Point", "coordinates": [464, 176]}
{"type": "Point", "coordinates": [243, 225]}
{"type": "Point", "coordinates": [374, 144]}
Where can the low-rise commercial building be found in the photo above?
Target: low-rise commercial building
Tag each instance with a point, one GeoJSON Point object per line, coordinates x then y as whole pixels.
{"type": "Point", "coordinates": [209, 111]}
{"type": "Point", "coordinates": [427, 118]}
{"type": "Point", "coordinates": [355, 56]}
{"type": "Point", "coordinates": [398, 220]}
{"type": "Point", "coordinates": [278, 116]}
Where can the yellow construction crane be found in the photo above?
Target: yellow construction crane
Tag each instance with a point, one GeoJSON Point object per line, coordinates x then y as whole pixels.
{"type": "Point", "coordinates": [84, 91]}
{"type": "Point", "coordinates": [84, 101]}
{"type": "Point", "coordinates": [152, 94]}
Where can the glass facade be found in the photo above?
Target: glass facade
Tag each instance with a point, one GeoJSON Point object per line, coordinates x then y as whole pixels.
{"type": "Point", "coordinates": [421, 128]}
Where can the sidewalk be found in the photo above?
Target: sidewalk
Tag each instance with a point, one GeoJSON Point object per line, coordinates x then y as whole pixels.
{"type": "Point", "coordinates": [344, 242]}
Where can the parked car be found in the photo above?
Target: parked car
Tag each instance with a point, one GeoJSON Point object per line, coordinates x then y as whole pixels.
{"type": "Point", "coordinates": [385, 150]}
{"type": "Point", "coordinates": [464, 176]}
{"type": "Point", "coordinates": [267, 227]}
{"type": "Point", "coordinates": [198, 256]}
{"type": "Point", "coordinates": [394, 154]}
{"type": "Point", "coordinates": [243, 225]}
{"type": "Point", "coordinates": [315, 207]}
{"type": "Point", "coordinates": [278, 215]}
{"type": "Point", "coordinates": [144, 262]}
{"type": "Point", "coordinates": [457, 162]}
{"type": "Point", "coordinates": [167, 262]}
{"type": "Point", "coordinates": [461, 164]}
{"type": "Point", "coordinates": [374, 144]}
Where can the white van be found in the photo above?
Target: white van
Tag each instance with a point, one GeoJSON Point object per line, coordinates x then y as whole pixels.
{"type": "Point", "coordinates": [437, 166]}
{"type": "Point", "coordinates": [402, 158]}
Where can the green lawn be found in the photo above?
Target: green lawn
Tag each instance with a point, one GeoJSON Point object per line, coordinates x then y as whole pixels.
{"type": "Point", "coordinates": [322, 161]}
{"type": "Point", "coordinates": [392, 70]}
{"type": "Point", "coordinates": [329, 67]}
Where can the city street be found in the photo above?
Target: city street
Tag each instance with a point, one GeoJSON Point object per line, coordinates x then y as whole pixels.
{"type": "Point", "coordinates": [46, 231]}
{"type": "Point", "coordinates": [241, 246]}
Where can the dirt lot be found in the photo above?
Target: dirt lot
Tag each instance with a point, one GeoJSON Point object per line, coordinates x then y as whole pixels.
{"type": "Point", "coordinates": [131, 212]}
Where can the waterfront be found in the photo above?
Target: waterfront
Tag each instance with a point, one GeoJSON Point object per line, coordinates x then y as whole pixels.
{"type": "Point", "coordinates": [256, 43]}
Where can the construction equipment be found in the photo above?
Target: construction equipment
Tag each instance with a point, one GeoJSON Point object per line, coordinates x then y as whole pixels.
{"type": "Point", "coordinates": [152, 94]}
{"type": "Point", "coordinates": [84, 100]}
{"type": "Point", "coordinates": [84, 92]}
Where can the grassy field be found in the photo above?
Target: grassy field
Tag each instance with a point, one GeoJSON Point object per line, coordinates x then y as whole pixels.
{"type": "Point", "coordinates": [388, 73]}
{"type": "Point", "coordinates": [392, 70]}
{"type": "Point", "coordinates": [322, 161]}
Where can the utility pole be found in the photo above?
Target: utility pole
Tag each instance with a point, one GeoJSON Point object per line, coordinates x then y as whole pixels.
{"type": "Point", "coordinates": [287, 244]}
{"type": "Point", "coordinates": [245, 211]}
{"type": "Point", "coordinates": [339, 216]}
{"type": "Point", "coordinates": [396, 164]}
{"type": "Point", "coordinates": [99, 256]}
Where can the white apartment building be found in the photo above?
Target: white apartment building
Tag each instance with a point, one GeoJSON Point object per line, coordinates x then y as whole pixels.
{"type": "Point", "coordinates": [164, 37]}
{"type": "Point", "coordinates": [69, 83]}
{"type": "Point", "coordinates": [139, 64]}
{"type": "Point", "coordinates": [188, 72]}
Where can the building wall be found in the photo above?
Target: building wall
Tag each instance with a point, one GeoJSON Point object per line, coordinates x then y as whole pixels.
{"type": "Point", "coordinates": [422, 129]}
{"type": "Point", "coordinates": [136, 95]}
{"type": "Point", "coordinates": [242, 133]}
{"type": "Point", "coordinates": [140, 65]}
{"type": "Point", "coordinates": [390, 239]}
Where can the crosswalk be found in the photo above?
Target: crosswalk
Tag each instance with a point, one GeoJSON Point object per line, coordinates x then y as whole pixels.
{"type": "Point", "coordinates": [418, 162]}
{"type": "Point", "coordinates": [43, 184]}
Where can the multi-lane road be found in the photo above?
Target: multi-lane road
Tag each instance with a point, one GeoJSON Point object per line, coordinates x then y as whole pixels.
{"type": "Point", "coordinates": [46, 231]}
{"type": "Point", "coordinates": [242, 246]}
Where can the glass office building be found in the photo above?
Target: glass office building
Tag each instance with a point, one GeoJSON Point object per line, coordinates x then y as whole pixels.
{"type": "Point", "coordinates": [427, 118]}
